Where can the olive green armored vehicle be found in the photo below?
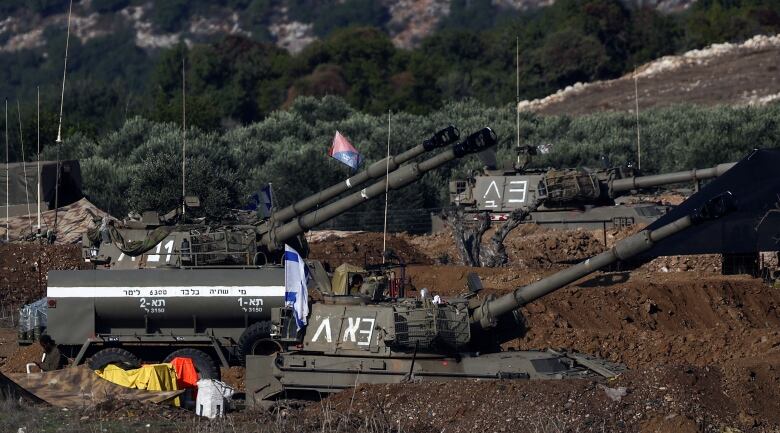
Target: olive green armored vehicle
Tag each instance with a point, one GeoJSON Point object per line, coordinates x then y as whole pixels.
{"type": "Point", "coordinates": [165, 286]}
{"type": "Point", "coordinates": [567, 198]}
{"type": "Point", "coordinates": [369, 338]}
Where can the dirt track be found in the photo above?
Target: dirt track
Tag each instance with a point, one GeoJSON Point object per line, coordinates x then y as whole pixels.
{"type": "Point", "coordinates": [703, 350]}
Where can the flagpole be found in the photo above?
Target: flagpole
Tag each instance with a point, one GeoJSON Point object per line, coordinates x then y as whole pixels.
{"type": "Point", "coordinates": [387, 186]}
{"type": "Point", "coordinates": [183, 137]}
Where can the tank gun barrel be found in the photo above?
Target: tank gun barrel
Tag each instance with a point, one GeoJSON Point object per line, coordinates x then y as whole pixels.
{"type": "Point", "coordinates": [639, 182]}
{"type": "Point", "coordinates": [442, 138]}
{"type": "Point", "coordinates": [486, 314]}
{"type": "Point", "coordinates": [275, 237]}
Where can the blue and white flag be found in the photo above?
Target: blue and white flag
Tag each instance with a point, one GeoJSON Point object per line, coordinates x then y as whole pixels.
{"type": "Point", "coordinates": [262, 201]}
{"type": "Point", "coordinates": [266, 200]}
{"type": "Point", "coordinates": [296, 294]}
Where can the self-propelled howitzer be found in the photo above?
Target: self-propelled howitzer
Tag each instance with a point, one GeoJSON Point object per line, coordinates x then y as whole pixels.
{"type": "Point", "coordinates": [365, 338]}
{"type": "Point", "coordinates": [570, 198]}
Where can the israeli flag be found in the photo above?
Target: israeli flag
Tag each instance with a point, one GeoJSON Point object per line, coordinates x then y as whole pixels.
{"type": "Point", "coordinates": [296, 294]}
{"type": "Point", "coordinates": [266, 201]}
{"type": "Point", "coordinates": [262, 201]}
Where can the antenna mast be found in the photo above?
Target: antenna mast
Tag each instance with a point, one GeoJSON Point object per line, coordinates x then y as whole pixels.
{"type": "Point", "coordinates": [638, 144]}
{"type": "Point", "coordinates": [59, 126]}
{"type": "Point", "coordinates": [387, 186]}
{"type": "Point", "coordinates": [24, 167]}
{"type": "Point", "coordinates": [7, 178]}
{"type": "Point", "coordinates": [183, 137]}
{"type": "Point", "coordinates": [517, 95]}
{"type": "Point", "coordinates": [38, 126]}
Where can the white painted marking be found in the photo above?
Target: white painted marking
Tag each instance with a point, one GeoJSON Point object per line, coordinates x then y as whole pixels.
{"type": "Point", "coordinates": [122, 256]}
{"type": "Point", "coordinates": [368, 333]}
{"type": "Point", "coordinates": [164, 291]}
{"type": "Point", "coordinates": [351, 329]}
{"type": "Point", "coordinates": [156, 256]}
{"type": "Point", "coordinates": [523, 189]}
{"type": "Point", "coordinates": [324, 325]}
{"type": "Point", "coordinates": [169, 248]}
{"type": "Point", "coordinates": [492, 186]}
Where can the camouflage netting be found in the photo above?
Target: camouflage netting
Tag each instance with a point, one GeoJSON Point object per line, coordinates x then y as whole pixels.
{"type": "Point", "coordinates": [72, 221]}
{"type": "Point", "coordinates": [132, 248]}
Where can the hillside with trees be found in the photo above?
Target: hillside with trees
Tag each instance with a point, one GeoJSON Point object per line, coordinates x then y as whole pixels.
{"type": "Point", "coordinates": [238, 79]}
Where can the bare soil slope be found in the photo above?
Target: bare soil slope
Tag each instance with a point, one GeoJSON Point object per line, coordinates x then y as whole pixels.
{"type": "Point", "coordinates": [722, 74]}
{"type": "Point", "coordinates": [703, 350]}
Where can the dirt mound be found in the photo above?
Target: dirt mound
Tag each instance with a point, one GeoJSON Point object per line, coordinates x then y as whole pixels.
{"type": "Point", "coordinates": [23, 269]}
{"type": "Point", "coordinates": [680, 399]}
{"type": "Point", "coordinates": [361, 248]}
{"type": "Point", "coordinates": [641, 319]}
{"type": "Point", "coordinates": [528, 245]}
{"type": "Point", "coordinates": [711, 263]}
{"type": "Point", "coordinates": [17, 362]}
{"type": "Point", "coordinates": [234, 376]}
{"type": "Point", "coordinates": [659, 319]}
{"type": "Point", "coordinates": [536, 247]}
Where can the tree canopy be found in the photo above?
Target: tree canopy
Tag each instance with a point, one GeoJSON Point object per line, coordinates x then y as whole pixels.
{"type": "Point", "coordinates": [138, 167]}
{"type": "Point", "coordinates": [237, 80]}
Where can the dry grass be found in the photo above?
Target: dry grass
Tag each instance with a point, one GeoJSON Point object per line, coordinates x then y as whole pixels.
{"type": "Point", "coordinates": [22, 417]}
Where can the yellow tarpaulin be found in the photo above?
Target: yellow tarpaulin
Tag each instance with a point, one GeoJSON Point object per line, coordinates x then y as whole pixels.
{"type": "Point", "coordinates": [151, 377]}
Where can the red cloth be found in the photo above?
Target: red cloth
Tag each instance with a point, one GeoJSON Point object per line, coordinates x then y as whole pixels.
{"type": "Point", "coordinates": [186, 376]}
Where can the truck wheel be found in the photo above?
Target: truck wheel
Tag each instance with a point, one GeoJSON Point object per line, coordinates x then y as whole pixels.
{"type": "Point", "coordinates": [256, 340]}
{"type": "Point", "coordinates": [113, 355]}
{"type": "Point", "coordinates": [204, 364]}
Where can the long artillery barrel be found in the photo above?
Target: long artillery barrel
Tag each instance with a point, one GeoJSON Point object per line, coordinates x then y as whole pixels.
{"type": "Point", "coordinates": [486, 314]}
{"type": "Point", "coordinates": [274, 238]}
{"type": "Point", "coordinates": [443, 138]}
{"type": "Point", "coordinates": [639, 182]}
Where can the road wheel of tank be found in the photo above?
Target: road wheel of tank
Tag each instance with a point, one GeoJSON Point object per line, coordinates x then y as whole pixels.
{"type": "Point", "coordinates": [256, 340]}
{"type": "Point", "coordinates": [204, 364]}
{"type": "Point", "coordinates": [113, 355]}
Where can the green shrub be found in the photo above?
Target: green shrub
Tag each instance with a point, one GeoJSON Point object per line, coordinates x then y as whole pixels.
{"type": "Point", "coordinates": [138, 167]}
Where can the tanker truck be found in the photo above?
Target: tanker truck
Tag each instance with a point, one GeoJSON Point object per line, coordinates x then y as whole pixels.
{"type": "Point", "coordinates": [368, 339]}
{"type": "Point", "coordinates": [568, 198]}
{"type": "Point", "coordinates": [164, 287]}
